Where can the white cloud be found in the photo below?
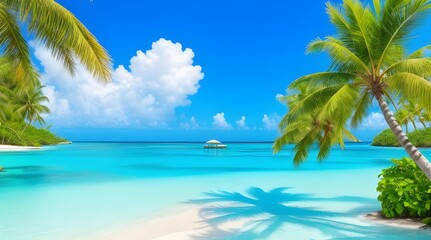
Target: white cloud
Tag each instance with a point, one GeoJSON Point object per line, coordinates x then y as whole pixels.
{"type": "Point", "coordinates": [374, 121]}
{"type": "Point", "coordinates": [219, 121]}
{"type": "Point", "coordinates": [271, 122]}
{"type": "Point", "coordinates": [146, 94]}
{"type": "Point", "coordinates": [191, 124]}
{"type": "Point", "coordinates": [241, 123]}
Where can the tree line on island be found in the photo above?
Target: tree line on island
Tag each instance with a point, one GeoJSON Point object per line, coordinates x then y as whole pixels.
{"type": "Point", "coordinates": [416, 121]}
{"type": "Point", "coordinates": [21, 96]}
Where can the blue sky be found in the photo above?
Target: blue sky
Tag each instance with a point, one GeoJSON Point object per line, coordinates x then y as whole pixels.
{"type": "Point", "coordinates": [206, 69]}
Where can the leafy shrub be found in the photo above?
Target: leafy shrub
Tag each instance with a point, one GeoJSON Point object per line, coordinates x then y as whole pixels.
{"type": "Point", "coordinates": [405, 191]}
{"type": "Point", "coordinates": [419, 138]}
{"type": "Point", "coordinates": [11, 133]}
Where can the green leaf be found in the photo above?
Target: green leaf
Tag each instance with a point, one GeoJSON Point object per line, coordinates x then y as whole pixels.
{"type": "Point", "coordinates": [412, 87]}
{"type": "Point", "coordinates": [399, 208]}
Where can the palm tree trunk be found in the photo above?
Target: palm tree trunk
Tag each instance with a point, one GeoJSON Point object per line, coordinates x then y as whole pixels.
{"type": "Point", "coordinates": [423, 123]}
{"type": "Point", "coordinates": [26, 126]}
{"type": "Point", "coordinates": [413, 152]}
{"type": "Point", "coordinates": [414, 124]}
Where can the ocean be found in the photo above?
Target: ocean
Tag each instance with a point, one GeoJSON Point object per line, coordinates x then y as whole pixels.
{"type": "Point", "coordinates": [83, 190]}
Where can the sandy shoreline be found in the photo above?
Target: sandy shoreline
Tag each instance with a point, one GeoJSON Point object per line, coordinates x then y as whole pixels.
{"type": "Point", "coordinates": [13, 148]}
{"type": "Point", "coordinates": [186, 222]}
{"type": "Point", "coordinates": [395, 222]}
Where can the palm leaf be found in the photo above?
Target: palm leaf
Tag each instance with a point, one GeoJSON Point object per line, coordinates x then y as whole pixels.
{"type": "Point", "coordinates": [399, 23]}
{"type": "Point", "coordinates": [324, 79]}
{"type": "Point", "coordinates": [412, 87]}
{"type": "Point", "coordinates": [313, 101]}
{"type": "Point", "coordinates": [15, 46]}
{"type": "Point", "coordinates": [340, 105]}
{"type": "Point", "coordinates": [60, 31]}
{"type": "Point", "coordinates": [361, 25]}
{"type": "Point", "coordinates": [418, 66]}
{"type": "Point", "coordinates": [361, 109]}
{"type": "Point", "coordinates": [421, 52]}
{"type": "Point", "coordinates": [342, 57]}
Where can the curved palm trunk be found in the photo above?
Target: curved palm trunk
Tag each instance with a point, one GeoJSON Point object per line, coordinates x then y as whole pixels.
{"type": "Point", "coordinates": [423, 123]}
{"type": "Point", "coordinates": [413, 152]}
{"type": "Point", "coordinates": [414, 124]}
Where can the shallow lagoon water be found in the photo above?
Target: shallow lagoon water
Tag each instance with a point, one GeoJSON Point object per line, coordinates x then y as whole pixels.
{"type": "Point", "coordinates": [85, 189]}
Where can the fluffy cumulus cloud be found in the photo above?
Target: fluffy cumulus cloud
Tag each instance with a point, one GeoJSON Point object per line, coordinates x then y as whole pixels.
{"type": "Point", "coordinates": [219, 121]}
{"type": "Point", "coordinates": [374, 121]}
{"type": "Point", "coordinates": [241, 123]}
{"type": "Point", "coordinates": [271, 122]}
{"type": "Point", "coordinates": [144, 94]}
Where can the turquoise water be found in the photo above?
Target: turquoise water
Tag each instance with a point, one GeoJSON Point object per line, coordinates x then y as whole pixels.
{"type": "Point", "coordinates": [85, 189]}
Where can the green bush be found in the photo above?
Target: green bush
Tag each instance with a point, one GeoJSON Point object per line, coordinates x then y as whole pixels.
{"type": "Point", "coordinates": [405, 191]}
{"type": "Point", "coordinates": [12, 133]}
{"type": "Point", "coordinates": [419, 138]}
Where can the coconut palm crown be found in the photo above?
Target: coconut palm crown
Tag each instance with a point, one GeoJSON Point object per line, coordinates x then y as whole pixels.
{"type": "Point", "coordinates": [57, 29]}
{"type": "Point", "coordinates": [369, 62]}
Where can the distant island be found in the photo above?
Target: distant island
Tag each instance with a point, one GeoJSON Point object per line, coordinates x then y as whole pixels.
{"type": "Point", "coordinates": [419, 138]}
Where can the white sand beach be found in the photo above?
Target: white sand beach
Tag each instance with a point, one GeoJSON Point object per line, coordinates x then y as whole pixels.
{"type": "Point", "coordinates": [396, 222]}
{"type": "Point", "coordinates": [13, 148]}
{"type": "Point", "coordinates": [182, 223]}
{"type": "Point", "coordinates": [188, 223]}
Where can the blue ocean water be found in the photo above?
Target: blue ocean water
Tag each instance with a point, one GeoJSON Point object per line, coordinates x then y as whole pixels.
{"type": "Point", "coordinates": [74, 191]}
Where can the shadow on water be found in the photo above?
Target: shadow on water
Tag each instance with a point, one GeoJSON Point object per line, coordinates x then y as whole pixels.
{"type": "Point", "coordinates": [267, 212]}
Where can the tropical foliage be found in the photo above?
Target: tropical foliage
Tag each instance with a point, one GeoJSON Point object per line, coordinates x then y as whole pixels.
{"type": "Point", "coordinates": [32, 136]}
{"type": "Point", "coordinates": [55, 27]}
{"type": "Point", "coordinates": [410, 113]}
{"type": "Point", "coordinates": [369, 62]}
{"type": "Point", "coordinates": [419, 138]}
{"type": "Point", "coordinates": [405, 191]}
{"type": "Point", "coordinates": [308, 129]}
{"type": "Point", "coordinates": [70, 42]}
{"type": "Point", "coordinates": [30, 107]}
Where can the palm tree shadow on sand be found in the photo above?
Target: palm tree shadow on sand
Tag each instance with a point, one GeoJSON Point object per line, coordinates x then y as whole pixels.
{"type": "Point", "coordinates": [264, 213]}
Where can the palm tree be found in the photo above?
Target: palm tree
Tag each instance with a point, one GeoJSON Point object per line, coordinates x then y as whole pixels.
{"type": "Point", "coordinates": [368, 62]}
{"type": "Point", "coordinates": [55, 27]}
{"type": "Point", "coordinates": [30, 107]}
{"type": "Point", "coordinates": [426, 117]}
{"type": "Point", "coordinates": [308, 128]}
{"type": "Point", "coordinates": [404, 117]}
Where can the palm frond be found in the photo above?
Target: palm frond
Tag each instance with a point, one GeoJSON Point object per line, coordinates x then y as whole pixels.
{"type": "Point", "coordinates": [337, 18]}
{"type": "Point", "coordinates": [418, 66]}
{"type": "Point", "coordinates": [340, 105]}
{"type": "Point", "coordinates": [411, 87]}
{"type": "Point", "coordinates": [377, 7]}
{"type": "Point", "coordinates": [362, 22]}
{"type": "Point", "coordinates": [326, 143]}
{"type": "Point", "coordinates": [361, 111]}
{"type": "Point", "coordinates": [347, 134]}
{"type": "Point", "coordinates": [15, 46]}
{"type": "Point", "coordinates": [399, 18]}
{"type": "Point", "coordinates": [60, 31]}
{"type": "Point", "coordinates": [324, 79]}
{"type": "Point", "coordinates": [421, 52]}
{"type": "Point", "coordinates": [342, 57]}
{"type": "Point", "coordinates": [302, 148]}
{"type": "Point", "coordinates": [314, 100]}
